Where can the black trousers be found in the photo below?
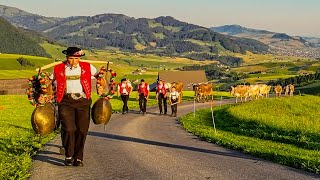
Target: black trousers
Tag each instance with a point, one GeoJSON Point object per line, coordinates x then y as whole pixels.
{"type": "Point", "coordinates": [162, 99]}
{"type": "Point", "coordinates": [125, 99]}
{"type": "Point", "coordinates": [143, 103]}
{"type": "Point", "coordinates": [75, 120]}
{"type": "Point", "coordinates": [174, 108]}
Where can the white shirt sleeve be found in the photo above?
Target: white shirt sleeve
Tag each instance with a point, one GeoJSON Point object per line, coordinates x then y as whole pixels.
{"type": "Point", "coordinates": [52, 75]}
{"type": "Point", "coordinates": [148, 88]}
{"type": "Point", "coordinates": [93, 71]}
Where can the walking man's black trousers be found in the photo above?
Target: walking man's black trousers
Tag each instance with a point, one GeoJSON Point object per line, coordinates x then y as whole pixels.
{"type": "Point", "coordinates": [125, 99]}
{"type": "Point", "coordinates": [75, 120]}
{"type": "Point", "coordinates": [143, 103]}
{"type": "Point", "coordinates": [162, 100]}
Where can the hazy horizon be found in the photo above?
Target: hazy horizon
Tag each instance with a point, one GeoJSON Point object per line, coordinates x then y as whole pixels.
{"type": "Point", "coordinates": [293, 17]}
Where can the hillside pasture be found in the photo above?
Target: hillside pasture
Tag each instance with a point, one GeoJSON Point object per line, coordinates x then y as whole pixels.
{"type": "Point", "coordinates": [283, 130]}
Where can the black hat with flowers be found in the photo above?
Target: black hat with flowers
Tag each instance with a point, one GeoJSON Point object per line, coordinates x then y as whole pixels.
{"type": "Point", "coordinates": [73, 51]}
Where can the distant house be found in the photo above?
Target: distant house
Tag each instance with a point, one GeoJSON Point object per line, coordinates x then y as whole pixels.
{"type": "Point", "coordinates": [186, 77]}
{"type": "Point", "coordinates": [136, 72]}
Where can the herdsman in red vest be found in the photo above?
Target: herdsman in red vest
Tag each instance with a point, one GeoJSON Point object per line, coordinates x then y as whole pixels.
{"type": "Point", "coordinates": [73, 91]}
{"type": "Point", "coordinates": [124, 90]}
{"type": "Point", "coordinates": [162, 96]}
{"type": "Point", "coordinates": [143, 93]}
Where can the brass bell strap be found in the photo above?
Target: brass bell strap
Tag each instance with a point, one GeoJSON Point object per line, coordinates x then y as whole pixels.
{"type": "Point", "coordinates": [76, 77]}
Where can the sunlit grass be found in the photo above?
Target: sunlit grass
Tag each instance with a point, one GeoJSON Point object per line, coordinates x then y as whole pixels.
{"type": "Point", "coordinates": [284, 130]}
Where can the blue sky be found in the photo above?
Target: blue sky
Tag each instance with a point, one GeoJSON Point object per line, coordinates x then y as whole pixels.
{"type": "Point", "coordinates": [295, 17]}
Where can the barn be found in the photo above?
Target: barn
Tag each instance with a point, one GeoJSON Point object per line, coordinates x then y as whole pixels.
{"type": "Point", "coordinates": [186, 77]}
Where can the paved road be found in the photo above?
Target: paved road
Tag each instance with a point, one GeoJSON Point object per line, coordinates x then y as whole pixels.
{"type": "Point", "coordinates": [155, 147]}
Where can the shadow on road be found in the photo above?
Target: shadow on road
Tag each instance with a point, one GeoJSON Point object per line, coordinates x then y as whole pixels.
{"type": "Point", "coordinates": [176, 146]}
{"type": "Point", "coordinates": [51, 160]}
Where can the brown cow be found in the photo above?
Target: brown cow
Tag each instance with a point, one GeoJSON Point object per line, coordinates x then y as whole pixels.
{"type": "Point", "coordinates": [202, 91]}
{"type": "Point", "coordinates": [179, 88]}
{"type": "Point", "coordinates": [195, 88]}
{"type": "Point", "coordinates": [278, 90]}
{"type": "Point", "coordinates": [253, 91]}
{"type": "Point", "coordinates": [264, 90]}
{"type": "Point", "coordinates": [291, 88]}
{"type": "Point", "coordinates": [240, 91]}
{"type": "Point", "coordinates": [286, 90]}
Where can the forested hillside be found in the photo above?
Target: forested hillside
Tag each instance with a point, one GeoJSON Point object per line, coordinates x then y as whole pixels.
{"type": "Point", "coordinates": [16, 41]}
{"type": "Point", "coordinates": [164, 35]}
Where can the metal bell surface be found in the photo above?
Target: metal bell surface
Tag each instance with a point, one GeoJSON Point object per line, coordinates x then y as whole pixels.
{"type": "Point", "coordinates": [101, 111]}
{"type": "Point", "coordinates": [43, 119]}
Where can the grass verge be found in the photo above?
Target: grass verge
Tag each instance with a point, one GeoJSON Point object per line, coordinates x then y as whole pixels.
{"type": "Point", "coordinates": [284, 130]}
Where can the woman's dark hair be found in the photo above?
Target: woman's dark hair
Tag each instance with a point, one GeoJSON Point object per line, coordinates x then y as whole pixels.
{"type": "Point", "coordinates": [142, 80]}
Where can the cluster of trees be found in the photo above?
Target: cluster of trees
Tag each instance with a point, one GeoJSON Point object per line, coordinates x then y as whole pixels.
{"type": "Point", "coordinates": [227, 60]}
{"type": "Point", "coordinates": [16, 41]}
{"type": "Point", "coordinates": [24, 62]}
{"type": "Point", "coordinates": [300, 80]}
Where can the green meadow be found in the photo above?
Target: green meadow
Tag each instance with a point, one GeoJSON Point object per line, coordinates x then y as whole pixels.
{"type": "Point", "coordinates": [283, 130]}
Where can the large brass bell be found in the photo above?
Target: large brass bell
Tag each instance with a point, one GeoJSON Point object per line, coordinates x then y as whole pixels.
{"type": "Point", "coordinates": [101, 111]}
{"type": "Point", "coordinates": [43, 119]}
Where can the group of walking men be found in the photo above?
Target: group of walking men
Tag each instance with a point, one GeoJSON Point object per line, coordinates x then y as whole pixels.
{"type": "Point", "coordinates": [125, 88]}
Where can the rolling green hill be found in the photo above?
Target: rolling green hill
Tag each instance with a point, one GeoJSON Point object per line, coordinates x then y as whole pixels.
{"type": "Point", "coordinates": [163, 35]}
{"type": "Point", "coordinates": [25, 19]}
{"type": "Point", "coordinates": [15, 41]}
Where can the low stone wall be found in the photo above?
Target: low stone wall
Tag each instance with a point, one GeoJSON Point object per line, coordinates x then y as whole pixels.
{"type": "Point", "coordinates": [19, 86]}
{"type": "Point", "coordinates": [13, 86]}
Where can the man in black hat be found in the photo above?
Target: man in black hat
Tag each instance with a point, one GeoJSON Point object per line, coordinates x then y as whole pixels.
{"type": "Point", "coordinates": [73, 91]}
{"type": "Point", "coordinates": [124, 90]}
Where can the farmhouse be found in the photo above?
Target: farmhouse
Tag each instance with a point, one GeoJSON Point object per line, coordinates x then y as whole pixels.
{"type": "Point", "coordinates": [186, 77]}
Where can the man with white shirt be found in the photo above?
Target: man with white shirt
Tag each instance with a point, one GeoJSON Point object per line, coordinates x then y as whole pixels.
{"type": "Point", "coordinates": [143, 93]}
{"type": "Point", "coordinates": [73, 91]}
{"type": "Point", "coordinates": [124, 90]}
{"type": "Point", "coordinates": [162, 96]}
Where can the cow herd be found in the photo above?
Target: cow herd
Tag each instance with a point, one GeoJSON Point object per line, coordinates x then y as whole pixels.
{"type": "Point", "coordinates": [203, 91]}
{"type": "Point", "coordinates": [245, 92]}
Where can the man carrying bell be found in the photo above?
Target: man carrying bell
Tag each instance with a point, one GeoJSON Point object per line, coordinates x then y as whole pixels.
{"type": "Point", "coordinates": [73, 91]}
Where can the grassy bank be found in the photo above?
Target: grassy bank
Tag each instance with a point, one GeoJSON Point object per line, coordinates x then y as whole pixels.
{"type": "Point", "coordinates": [284, 130]}
{"type": "Point", "coordinates": [18, 141]}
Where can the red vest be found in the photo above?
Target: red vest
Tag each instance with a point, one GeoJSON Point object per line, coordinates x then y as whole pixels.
{"type": "Point", "coordinates": [85, 79]}
{"type": "Point", "coordinates": [121, 88]}
{"type": "Point", "coordinates": [163, 89]}
{"type": "Point", "coordinates": [143, 90]}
